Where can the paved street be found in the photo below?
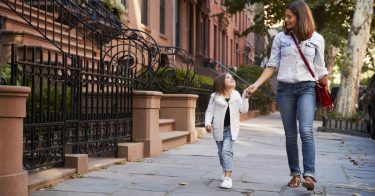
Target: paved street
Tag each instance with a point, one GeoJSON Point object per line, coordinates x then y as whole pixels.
{"type": "Point", "coordinates": [345, 166]}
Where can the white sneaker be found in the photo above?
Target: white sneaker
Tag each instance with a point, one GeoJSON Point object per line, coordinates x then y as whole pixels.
{"type": "Point", "coordinates": [227, 183]}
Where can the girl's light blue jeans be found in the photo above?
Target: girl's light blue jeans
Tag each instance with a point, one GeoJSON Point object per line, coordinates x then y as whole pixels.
{"type": "Point", "coordinates": [225, 150]}
{"type": "Point", "coordinates": [298, 99]}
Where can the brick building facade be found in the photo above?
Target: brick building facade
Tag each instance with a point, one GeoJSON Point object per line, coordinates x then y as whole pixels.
{"type": "Point", "coordinates": [193, 26]}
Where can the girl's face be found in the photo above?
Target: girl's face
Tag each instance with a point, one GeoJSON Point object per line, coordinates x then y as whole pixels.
{"type": "Point", "coordinates": [230, 83]}
{"type": "Point", "coordinates": [290, 19]}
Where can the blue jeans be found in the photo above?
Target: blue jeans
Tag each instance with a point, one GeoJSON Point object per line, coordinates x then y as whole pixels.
{"type": "Point", "coordinates": [298, 99]}
{"type": "Point", "coordinates": [225, 150]}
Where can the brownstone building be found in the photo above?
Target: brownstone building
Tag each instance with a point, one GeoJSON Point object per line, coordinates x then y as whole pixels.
{"type": "Point", "coordinates": [193, 26]}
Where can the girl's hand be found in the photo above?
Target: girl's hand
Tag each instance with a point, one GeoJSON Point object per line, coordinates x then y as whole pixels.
{"type": "Point", "coordinates": [209, 128]}
{"type": "Point", "coordinates": [252, 88]}
{"type": "Point", "coordinates": [246, 94]}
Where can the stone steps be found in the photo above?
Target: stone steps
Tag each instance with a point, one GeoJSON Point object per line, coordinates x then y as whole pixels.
{"type": "Point", "coordinates": [166, 125]}
{"type": "Point", "coordinates": [174, 139]}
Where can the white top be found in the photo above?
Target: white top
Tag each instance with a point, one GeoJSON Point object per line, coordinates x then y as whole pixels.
{"type": "Point", "coordinates": [217, 107]}
{"type": "Point", "coordinates": [286, 58]}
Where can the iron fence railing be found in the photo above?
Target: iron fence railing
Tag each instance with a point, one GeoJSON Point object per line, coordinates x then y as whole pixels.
{"type": "Point", "coordinates": [82, 78]}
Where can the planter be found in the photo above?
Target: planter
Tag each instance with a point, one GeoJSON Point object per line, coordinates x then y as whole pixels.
{"type": "Point", "coordinates": [13, 178]}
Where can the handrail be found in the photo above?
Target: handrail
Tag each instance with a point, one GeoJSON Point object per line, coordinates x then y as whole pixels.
{"type": "Point", "coordinates": [234, 74]}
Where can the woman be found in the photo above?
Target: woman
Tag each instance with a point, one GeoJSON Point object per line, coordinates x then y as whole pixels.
{"type": "Point", "coordinates": [296, 86]}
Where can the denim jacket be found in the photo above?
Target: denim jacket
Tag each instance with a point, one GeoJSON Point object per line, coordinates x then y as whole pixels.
{"type": "Point", "coordinates": [289, 63]}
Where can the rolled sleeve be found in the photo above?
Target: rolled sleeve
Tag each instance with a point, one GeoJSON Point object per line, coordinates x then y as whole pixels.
{"type": "Point", "coordinates": [274, 60]}
{"type": "Point", "coordinates": [244, 106]}
{"type": "Point", "coordinates": [319, 63]}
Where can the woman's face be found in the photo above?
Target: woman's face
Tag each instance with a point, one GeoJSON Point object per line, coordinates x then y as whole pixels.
{"type": "Point", "coordinates": [290, 19]}
{"type": "Point", "coordinates": [230, 83]}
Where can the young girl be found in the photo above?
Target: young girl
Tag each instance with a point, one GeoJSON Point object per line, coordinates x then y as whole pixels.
{"type": "Point", "coordinates": [224, 109]}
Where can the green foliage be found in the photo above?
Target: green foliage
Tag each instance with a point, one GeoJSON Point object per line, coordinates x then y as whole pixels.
{"type": "Point", "coordinates": [167, 79]}
{"type": "Point", "coordinates": [334, 115]}
{"type": "Point", "coordinates": [366, 81]}
{"type": "Point", "coordinates": [115, 5]}
{"type": "Point", "coordinates": [5, 74]}
{"type": "Point", "coordinates": [263, 95]}
{"type": "Point", "coordinates": [41, 97]}
{"type": "Point", "coordinates": [56, 97]}
{"type": "Point", "coordinates": [333, 18]}
{"type": "Point", "coordinates": [234, 6]}
{"type": "Point", "coordinates": [359, 116]}
{"type": "Point", "coordinates": [202, 80]}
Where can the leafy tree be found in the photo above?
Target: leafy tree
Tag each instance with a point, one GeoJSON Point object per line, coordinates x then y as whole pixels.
{"type": "Point", "coordinates": [334, 20]}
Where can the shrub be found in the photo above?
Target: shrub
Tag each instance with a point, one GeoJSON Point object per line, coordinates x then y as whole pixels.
{"type": "Point", "coordinates": [115, 5]}
{"type": "Point", "coordinates": [263, 95]}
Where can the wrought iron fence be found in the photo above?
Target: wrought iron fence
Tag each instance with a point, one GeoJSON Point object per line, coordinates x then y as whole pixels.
{"type": "Point", "coordinates": [204, 92]}
{"type": "Point", "coordinates": [71, 104]}
{"type": "Point", "coordinates": [82, 86]}
{"type": "Point", "coordinates": [176, 74]}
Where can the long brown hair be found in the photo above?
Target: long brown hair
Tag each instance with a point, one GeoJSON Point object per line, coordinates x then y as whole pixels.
{"type": "Point", "coordinates": [219, 83]}
{"type": "Point", "coordinates": [305, 22]}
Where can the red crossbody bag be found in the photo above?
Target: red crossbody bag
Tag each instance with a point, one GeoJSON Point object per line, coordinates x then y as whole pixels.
{"type": "Point", "coordinates": [323, 96]}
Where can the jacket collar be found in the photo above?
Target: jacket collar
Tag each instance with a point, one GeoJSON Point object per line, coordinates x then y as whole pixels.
{"type": "Point", "coordinates": [221, 100]}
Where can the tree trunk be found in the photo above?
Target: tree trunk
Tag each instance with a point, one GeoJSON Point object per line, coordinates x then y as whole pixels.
{"type": "Point", "coordinates": [347, 97]}
{"type": "Point", "coordinates": [330, 58]}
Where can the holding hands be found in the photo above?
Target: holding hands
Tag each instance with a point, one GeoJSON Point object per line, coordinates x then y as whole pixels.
{"type": "Point", "coordinates": [209, 128]}
{"type": "Point", "coordinates": [251, 90]}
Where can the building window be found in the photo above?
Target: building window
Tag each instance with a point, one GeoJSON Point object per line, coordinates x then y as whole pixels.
{"type": "Point", "coordinates": [223, 47]}
{"type": "Point", "coordinates": [144, 17]}
{"type": "Point", "coordinates": [239, 25]}
{"type": "Point", "coordinates": [178, 24]}
{"type": "Point", "coordinates": [162, 16]}
{"type": "Point", "coordinates": [205, 36]}
{"type": "Point", "coordinates": [226, 50]}
{"type": "Point", "coordinates": [191, 28]}
{"type": "Point", "coordinates": [231, 52]}
{"type": "Point", "coordinates": [237, 55]}
{"type": "Point", "coordinates": [219, 45]}
{"type": "Point", "coordinates": [243, 21]}
{"type": "Point", "coordinates": [215, 42]}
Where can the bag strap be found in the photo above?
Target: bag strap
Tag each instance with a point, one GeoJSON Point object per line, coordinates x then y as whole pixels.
{"type": "Point", "coordinates": [302, 55]}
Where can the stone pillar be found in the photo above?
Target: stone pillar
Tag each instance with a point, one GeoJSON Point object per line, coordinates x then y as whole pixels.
{"type": "Point", "coordinates": [13, 178]}
{"type": "Point", "coordinates": [146, 106]}
{"type": "Point", "coordinates": [181, 108]}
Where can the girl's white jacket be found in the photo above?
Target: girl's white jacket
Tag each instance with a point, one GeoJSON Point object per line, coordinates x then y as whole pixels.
{"type": "Point", "coordinates": [217, 108]}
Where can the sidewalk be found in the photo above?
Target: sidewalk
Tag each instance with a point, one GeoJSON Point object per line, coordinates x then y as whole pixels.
{"type": "Point", "coordinates": [345, 166]}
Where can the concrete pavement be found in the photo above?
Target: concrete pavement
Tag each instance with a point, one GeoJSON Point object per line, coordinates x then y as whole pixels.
{"type": "Point", "coordinates": [345, 166]}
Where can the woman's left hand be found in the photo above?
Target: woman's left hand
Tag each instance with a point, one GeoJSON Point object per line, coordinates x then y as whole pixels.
{"type": "Point", "coordinates": [324, 80]}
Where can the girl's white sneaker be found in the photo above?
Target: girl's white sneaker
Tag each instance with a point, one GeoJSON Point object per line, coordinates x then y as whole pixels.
{"type": "Point", "coordinates": [227, 183]}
